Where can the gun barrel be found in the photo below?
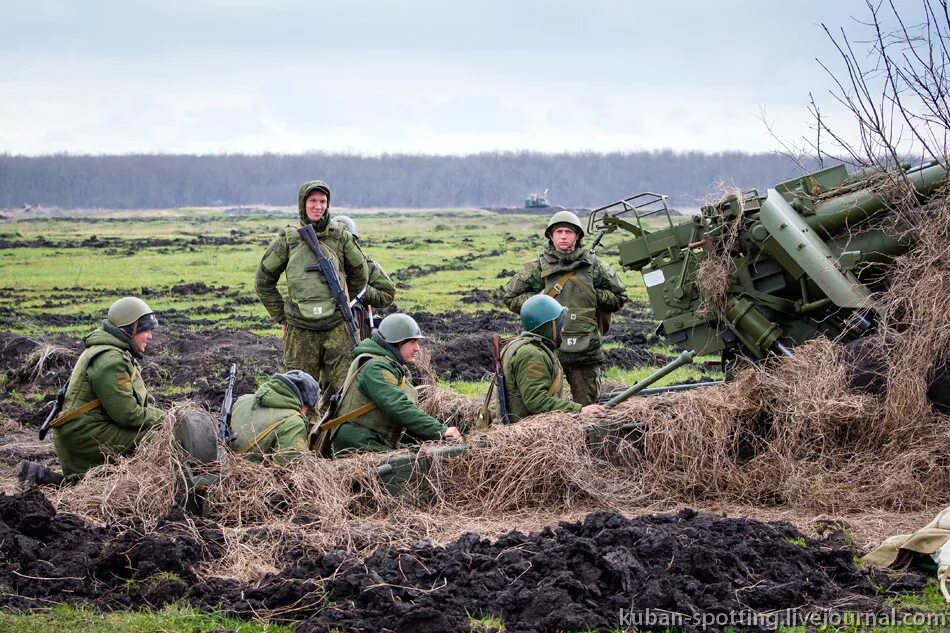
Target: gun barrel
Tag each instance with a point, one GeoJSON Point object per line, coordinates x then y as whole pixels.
{"type": "Point", "coordinates": [836, 213]}
{"type": "Point", "coordinates": [683, 359]}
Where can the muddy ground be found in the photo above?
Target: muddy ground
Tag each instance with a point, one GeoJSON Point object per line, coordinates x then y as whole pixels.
{"type": "Point", "coordinates": [577, 576]}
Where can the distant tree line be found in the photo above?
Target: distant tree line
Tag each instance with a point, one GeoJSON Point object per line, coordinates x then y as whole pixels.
{"type": "Point", "coordinates": [392, 180]}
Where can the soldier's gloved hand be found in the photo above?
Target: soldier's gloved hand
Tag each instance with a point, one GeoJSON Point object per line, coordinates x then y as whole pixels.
{"type": "Point", "coordinates": [452, 433]}
{"type": "Point", "coordinates": [591, 409]}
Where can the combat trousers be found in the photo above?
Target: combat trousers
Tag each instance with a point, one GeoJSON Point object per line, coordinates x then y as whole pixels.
{"type": "Point", "coordinates": [324, 355]}
{"type": "Point", "coordinates": [585, 382]}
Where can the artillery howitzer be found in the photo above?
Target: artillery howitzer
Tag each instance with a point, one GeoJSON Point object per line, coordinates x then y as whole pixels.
{"type": "Point", "coordinates": [754, 275]}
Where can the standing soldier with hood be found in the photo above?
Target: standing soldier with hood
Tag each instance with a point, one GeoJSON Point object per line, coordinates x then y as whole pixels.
{"type": "Point", "coordinates": [105, 410]}
{"type": "Point", "coordinates": [316, 339]}
{"type": "Point", "coordinates": [582, 283]}
{"type": "Point", "coordinates": [379, 401]}
{"type": "Point", "coordinates": [534, 378]}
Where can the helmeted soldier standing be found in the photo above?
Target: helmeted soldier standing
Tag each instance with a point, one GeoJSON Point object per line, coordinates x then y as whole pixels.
{"type": "Point", "coordinates": [379, 402]}
{"type": "Point", "coordinates": [380, 289]}
{"type": "Point", "coordinates": [106, 407]}
{"type": "Point", "coordinates": [273, 420]}
{"type": "Point", "coordinates": [316, 340]}
{"type": "Point", "coordinates": [534, 378]}
{"type": "Point", "coordinates": [588, 288]}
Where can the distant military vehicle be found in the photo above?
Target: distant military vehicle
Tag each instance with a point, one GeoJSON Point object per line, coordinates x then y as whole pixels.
{"type": "Point", "coordinates": [537, 201]}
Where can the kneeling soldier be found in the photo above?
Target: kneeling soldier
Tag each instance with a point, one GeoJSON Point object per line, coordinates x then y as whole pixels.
{"type": "Point", "coordinates": [379, 402]}
{"type": "Point", "coordinates": [106, 403]}
{"type": "Point", "coordinates": [534, 378]}
{"type": "Point", "coordinates": [273, 420]}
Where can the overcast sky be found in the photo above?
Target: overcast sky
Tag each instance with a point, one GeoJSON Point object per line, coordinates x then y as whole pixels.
{"type": "Point", "coordinates": [417, 76]}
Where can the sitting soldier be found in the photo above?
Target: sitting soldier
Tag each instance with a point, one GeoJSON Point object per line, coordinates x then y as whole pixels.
{"type": "Point", "coordinates": [106, 403]}
{"type": "Point", "coordinates": [378, 401]}
{"type": "Point", "coordinates": [534, 378]}
{"type": "Point", "coordinates": [380, 289]}
{"type": "Point", "coordinates": [273, 420]}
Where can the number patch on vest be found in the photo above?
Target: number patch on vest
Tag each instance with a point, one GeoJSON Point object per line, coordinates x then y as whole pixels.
{"type": "Point", "coordinates": [318, 311]}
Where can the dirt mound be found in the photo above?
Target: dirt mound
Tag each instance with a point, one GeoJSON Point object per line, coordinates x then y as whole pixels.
{"type": "Point", "coordinates": [582, 575]}
{"type": "Point", "coordinates": [579, 576]}
{"type": "Point", "coordinates": [57, 557]}
{"type": "Point", "coordinates": [466, 357]}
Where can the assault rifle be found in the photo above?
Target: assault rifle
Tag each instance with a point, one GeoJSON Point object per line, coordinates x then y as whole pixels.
{"type": "Point", "coordinates": [57, 407]}
{"type": "Point", "coordinates": [224, 422]}
{"type": "Point", "coordinates": [324, 265]}
{"type": "Point", "coordinates": [500, 387]}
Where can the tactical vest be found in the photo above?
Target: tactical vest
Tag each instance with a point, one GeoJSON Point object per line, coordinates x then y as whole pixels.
{"type": "Point", "coordinates": [516, 406]}
{"type": "Point", "coordinates": [252, 423]}
{"type": "Point", "coordinates": [79, 393]}
{"type": "Point", "coordinates": [368, 416]}
{"type": "Point", "coordinates": [308, 293]}
{"type": "Point", "coordinates": [573, 287]}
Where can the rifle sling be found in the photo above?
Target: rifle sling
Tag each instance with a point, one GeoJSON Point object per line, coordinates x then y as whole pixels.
{"type": "Point", "coordinates": [352, 415]}
{"type": "Point", "coordinates": [69, 416]}
{"type": "Point", "coordinates": [559, 284]}
{"type": "Point", "coordinates": [257, 438]}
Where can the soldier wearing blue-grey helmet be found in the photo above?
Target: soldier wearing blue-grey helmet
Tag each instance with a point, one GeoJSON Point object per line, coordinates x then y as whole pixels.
{"type": "Point", "coordinates": [534, 377]}
{"type": "Point", "coordinates": [589, 289]}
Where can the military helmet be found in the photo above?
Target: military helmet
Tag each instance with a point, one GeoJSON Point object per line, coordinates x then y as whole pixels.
{"type": "Point", "coordinates": [129, 310]}
{"type": "Point", "coordinates": [397, 328]}
{"type": "Point", "coordinates": [564, 217]}
{"type": "Point", "coordinates": [348, 222]}
{"type": "Point", "coordinates": [538, 310]}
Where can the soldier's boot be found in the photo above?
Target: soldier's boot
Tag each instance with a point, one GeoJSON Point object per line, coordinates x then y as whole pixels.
{"type": "Point", "coordinates": [34, 474]}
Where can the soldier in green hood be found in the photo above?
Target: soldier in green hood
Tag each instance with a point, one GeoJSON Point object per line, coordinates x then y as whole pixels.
{"type": "Point", "coordinates": [380, 289]}
{"type": "Point", "coordinates": [379, 402]}
{"type": "Point", "coordinates": [316, 340]}
{"type": "Point", "coordinates": [273, 420]}
{"type": "Point", "coordinates": [106, 407]}
{"type": "Point", "coordinates": [534, 378]}
{"type": "Point", "coordinates": [582, 283]}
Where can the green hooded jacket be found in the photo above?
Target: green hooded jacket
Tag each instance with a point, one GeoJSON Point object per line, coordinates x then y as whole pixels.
{"type": "Point", "coordinates": [309, 304]}
{"type": "Point", "coordinates": [380, 289]}
{"type": "Point", "coordinates": [591, 288]}
{"type": "Point", "coordinates": [534, 378]}
{"type": "Point", "coordinates": [108, 371]}
{"type": "Point", "coordinates": [269, 421]}
{"type": "Point", "coordinates": [378, 376]}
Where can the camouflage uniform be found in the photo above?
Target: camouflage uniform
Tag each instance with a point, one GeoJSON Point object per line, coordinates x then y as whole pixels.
{"type": "Point", "coordinates": [589, 289]}
{"type": "Point", "coordinates": [106, 371]}
{"type": "Point", "coordinates": [269, 421]}
{"type": "Point", "coordinates": [380, 289]}
{"type": "Point", "coordinates": [534, 379]}
{"type": "Point", "coordinates": [379, 380]}
{"type": "Point", "coordinates": [316, 340]}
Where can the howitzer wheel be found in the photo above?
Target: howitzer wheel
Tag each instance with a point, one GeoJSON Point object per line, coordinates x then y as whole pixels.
{"type": "Point", "coordinates": [195, 432]}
